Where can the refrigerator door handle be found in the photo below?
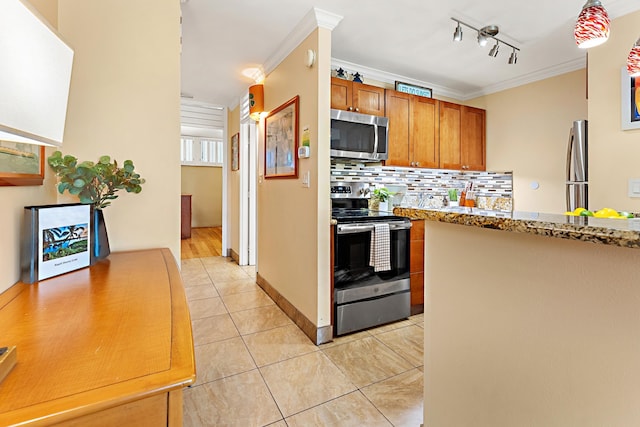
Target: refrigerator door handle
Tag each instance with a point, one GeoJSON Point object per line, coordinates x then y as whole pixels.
{"type": "Point", "coordinates": [570, 150]}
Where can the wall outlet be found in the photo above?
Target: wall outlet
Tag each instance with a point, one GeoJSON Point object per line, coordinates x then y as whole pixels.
{"type": "Point", "coordinates": [634, 187]}
{"type": "Point", "coordinates": [306, 179]}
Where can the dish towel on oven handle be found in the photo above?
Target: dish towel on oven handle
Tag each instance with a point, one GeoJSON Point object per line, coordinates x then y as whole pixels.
{"type": "Point", "coordinates": [380, 256]}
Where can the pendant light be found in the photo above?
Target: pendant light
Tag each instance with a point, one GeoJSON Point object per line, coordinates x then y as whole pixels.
{"type": "Point", "coordinates": [592, 26]}
{"type": "Point", "coordinates": [633, 60]}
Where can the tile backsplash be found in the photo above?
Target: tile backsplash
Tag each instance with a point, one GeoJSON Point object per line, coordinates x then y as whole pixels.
{"type": "Point", "coordinates": [494, 190]}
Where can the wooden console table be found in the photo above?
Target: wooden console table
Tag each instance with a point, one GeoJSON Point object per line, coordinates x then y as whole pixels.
{"type": "Point", "coordinates": [102, 346]}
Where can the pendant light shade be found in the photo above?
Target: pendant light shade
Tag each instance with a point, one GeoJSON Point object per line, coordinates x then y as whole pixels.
{"type": "Point", "coordinates": [256, 101]}
{"type": "Point", "coordinates": [633, 60]}
{"type": "Point", "coordinates": [592, 27]}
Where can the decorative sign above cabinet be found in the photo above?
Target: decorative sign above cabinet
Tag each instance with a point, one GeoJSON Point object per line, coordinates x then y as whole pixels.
{"type": "Point", "coordinates": [414, 90]}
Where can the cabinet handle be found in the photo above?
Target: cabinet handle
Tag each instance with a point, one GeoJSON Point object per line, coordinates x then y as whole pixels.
{"type": "Point", "coordinates": [357, 110]}
{"type": "Point", "coordinates": [417, 163]}
{"type": "Point", "coordinates": [413, 163]}
{"type": "Point", "coordinates": [350, 109]}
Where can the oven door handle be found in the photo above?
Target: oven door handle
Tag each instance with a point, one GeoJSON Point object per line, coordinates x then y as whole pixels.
{"type": "Point", "coordinates": [364, 227]}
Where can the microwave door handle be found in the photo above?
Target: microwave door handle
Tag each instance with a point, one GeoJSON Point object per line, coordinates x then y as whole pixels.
{"type": "Point", "coordinates": [375, 140]}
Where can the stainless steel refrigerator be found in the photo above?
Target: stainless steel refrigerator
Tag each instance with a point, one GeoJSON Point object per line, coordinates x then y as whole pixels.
{"type": "Point", "coordinates": [577, 166]}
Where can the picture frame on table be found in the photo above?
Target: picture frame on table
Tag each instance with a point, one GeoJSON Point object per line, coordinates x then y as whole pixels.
{"type": "Point", "coordinates": [235, 152]}
{"type": "Point", "coordinates": [21, 164]}
{"type": "Point", "coordinates": [281, 141]}
{"type": "Point", "coordinates": [630, 101]}
{"type": "Point", "coordinates": [56, 239]}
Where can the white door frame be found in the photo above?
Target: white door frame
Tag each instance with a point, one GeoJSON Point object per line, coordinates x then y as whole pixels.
{"type": "Point", "coordinates": [248, 168]}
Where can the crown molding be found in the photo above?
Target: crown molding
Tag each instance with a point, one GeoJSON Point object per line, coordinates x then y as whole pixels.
{"type": "Point", "coordinates": [313, 19]}
{"type": "Point", "coordinates": [556, 70]}
{"type": "Point", "coordinates": [391, 78]}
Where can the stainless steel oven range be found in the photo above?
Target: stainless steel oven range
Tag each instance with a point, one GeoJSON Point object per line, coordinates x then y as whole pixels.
{"type": "Point", "coordinates": [364, 297]}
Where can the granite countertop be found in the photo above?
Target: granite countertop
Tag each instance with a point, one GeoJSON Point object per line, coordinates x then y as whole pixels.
{"type": "Point", "coordinates": [616, 232]}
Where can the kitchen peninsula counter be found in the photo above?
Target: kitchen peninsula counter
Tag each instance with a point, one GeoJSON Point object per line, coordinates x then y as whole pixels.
{"type": "Point", "coordinates": [106, 345]}
{"type": "Point", "coordinates": [527, 321]}
{"type": "Point", "coordinates": [616, 232]}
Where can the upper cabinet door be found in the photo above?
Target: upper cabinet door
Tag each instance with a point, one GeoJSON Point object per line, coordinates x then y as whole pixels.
{"type": "Point", "coordinates": [425, 136]}
{"type": "Point", "coordinates": [398, 107]}
{"type": "Point", "coordinates": [341, 94]}
{"type": "Point", "coordinates": [472, 139]}
{"type": "Point", "coordinates": [450, 120]}
{"type": "Point", "coordinates": [368, 99]}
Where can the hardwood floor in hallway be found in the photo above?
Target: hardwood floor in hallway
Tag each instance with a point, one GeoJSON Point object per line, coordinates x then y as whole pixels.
{"type": "Point", "coordinates": [204, 242]}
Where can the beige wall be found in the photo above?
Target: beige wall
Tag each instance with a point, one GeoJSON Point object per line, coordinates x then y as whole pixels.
{"type": "Point", "coordinates": [508, 343]}
{"type": "Point", "coordinates": [614, 153]}
{"type": "Point", "coordinates": [527, 133]}
{"type": "Point", "coordinates": [293, 222]}
{"type": "Point", "coordinates": [205, 186]}
{"type": "Point", "coordinates": [125, 102]}
{"type": "Point", "coordinates": [15, 198]}
{"type": "Point", "coordinates": [233, 186]}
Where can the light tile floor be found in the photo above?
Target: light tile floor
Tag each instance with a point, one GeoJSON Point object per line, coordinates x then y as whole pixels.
{"type": "Point", "coordinates": [255, 367]}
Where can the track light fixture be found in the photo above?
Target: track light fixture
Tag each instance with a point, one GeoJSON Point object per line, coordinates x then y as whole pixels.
{"type": "Point", "coordinates": [457, 34]}
{"type": "Point", "coordinates": [494, 50]}
{"type": "Point", "coordinates": [485, 34]}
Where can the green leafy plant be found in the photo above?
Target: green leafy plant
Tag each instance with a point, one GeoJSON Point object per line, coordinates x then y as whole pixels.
{"type": "Point", "coordinates": [382, 194]}
{"type": "Point", "coordinates": [92, 182]}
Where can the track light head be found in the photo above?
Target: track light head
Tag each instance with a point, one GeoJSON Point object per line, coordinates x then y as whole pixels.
{"type": "Point", "coordinates": [485, 33]}
{"type": "Point", "coordinates": [494, 50]}
{"type": "Point", "coordinates": [457, 34]}
{"type": "Point", "coordinates": [513, 58]}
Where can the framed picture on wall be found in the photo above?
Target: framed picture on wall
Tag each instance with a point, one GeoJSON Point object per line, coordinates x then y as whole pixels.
{"type": "Point", "coordinates": [630, 101]}
{"type": "Point", "coordinates": [21, 164]}
{"type": "Point", "coordinates": [281, 141]}
{"type": "Point", "coordinates": [235, 152]}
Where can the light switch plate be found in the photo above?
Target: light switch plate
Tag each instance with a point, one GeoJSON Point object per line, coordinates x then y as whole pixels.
{"type": "Point", "coordinates": [306, 179]}
{"type": "Point", "coordinates": [634, 187]}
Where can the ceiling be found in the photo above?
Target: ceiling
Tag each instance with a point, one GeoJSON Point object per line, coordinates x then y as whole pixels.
{"type": "Point", "coordinates": [407, 40]}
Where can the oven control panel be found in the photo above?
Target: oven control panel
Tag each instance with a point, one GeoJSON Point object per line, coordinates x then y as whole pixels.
{"type": "Point", "coordinates": [350, 190]}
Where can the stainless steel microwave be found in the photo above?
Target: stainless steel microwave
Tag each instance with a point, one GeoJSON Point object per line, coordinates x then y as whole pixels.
{"type": "Point", "coordinates": [359, 136]}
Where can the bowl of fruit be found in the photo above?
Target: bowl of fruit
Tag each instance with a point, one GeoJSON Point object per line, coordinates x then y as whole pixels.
{"type": "Point", "coordinates": [602, 213]}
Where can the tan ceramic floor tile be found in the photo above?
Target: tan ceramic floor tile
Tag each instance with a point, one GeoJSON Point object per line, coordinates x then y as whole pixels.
{"type": "Point", "coordinates": [417, 319]}
{"type": "Point", "coordinates": [367, 361]}
{"type": "Point", "coordinates": [302, 382]}
{"type": "Point", "coordinates": [207, 307]}
{"type": "Point", "coordinates": [278, 424]}
{"type": "Point", "coordinates": [246, 300]}
{"type": "Point", "coordinates": [200, 292]}
{"type": "Point", "coordinates": [250, 270]}
{"type": "Point", "coordinates": [241, 400]}
{"type": "Point", "coordinates": [212, 329]}
{"type": "Point", "coordinates": [407, 342]}
{"type": "Point", "coordinates": [190, 263]}
{"type": "Point", "coordinates": [259, 319]}
{"type": "Point", "coordinates": [278, 344]}
{"type": "Point", "coordinates": [227, 287]}
{"type": "Point", "coordinates": [390, 327]}
{"type": "Point", "coordinates": [352, 410]}
{"type": "Point", "coordinates": [195, 278]}
{"type": "Point", "coordinates": [224, 272]}
{"type": "Point", "coordinates": [399, 398]}
{"type": "Point", "coordinates": [222, 359]}
{"type": "Point", "coordinates": [345, 339]}
{"type": "Point", "coordinates": [216, 260]}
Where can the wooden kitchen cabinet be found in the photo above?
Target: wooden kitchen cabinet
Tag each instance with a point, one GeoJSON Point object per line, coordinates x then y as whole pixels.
{"type": "Point", "coordinates": [358, 97]}
{"type": "Point", "coordinates": [462, 137]}
{"type": "Point", "coordinates": [413, 130]}
{"type": "Point", "coordinates": [416, 266]}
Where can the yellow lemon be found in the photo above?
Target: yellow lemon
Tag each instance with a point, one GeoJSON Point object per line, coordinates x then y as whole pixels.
{"type": "Point", "coordinates": [577, 211]}
{"type": "Point", "coordinates": [570, 213]}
